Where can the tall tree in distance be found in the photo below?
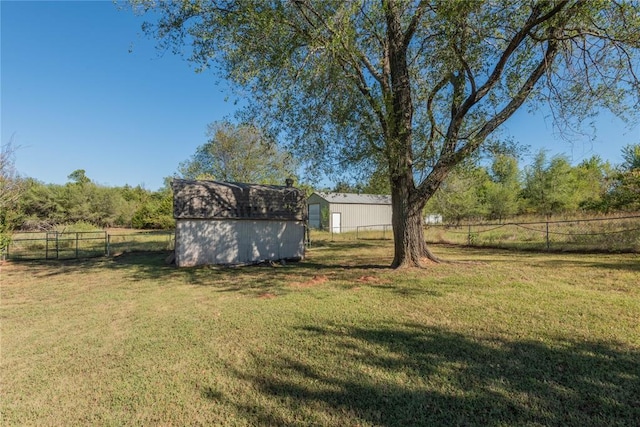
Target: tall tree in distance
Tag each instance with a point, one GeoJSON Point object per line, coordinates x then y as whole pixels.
{"type": "Point", "coordinates": [416, 85]}
{"type": "Point", "coordinates": [11, 187]}
{"type": "Point", "coordinates": [461, 196]}
{"type": "Point", "coordinates": [625, 191]}
{"type": "Point", "coordinates": [550, 185]}
{"type": "Point", "coordinates": [631, 157]}
{"type": "Point", "coordinates": [503, 190]}
{"type": "Point", "coordinates": [238, 153]}
{"type": "Point", "coordinates": [591, 183]}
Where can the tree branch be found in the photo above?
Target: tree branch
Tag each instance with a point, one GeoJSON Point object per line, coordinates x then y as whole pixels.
{"type": "Point", "coordinates": [515, 103]}
{"type": "Point", "coordinates": [413, 24]}
{"type": "Point", "coordinates": [515, 42]}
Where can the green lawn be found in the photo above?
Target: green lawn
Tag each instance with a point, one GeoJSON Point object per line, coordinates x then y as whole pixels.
{"type": "Point", "coordinates": [336, 340]}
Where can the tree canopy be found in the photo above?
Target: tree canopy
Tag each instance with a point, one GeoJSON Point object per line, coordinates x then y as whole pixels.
{"type": "Point", "coordinates": [625, 191]}
{"type": "Point", "coordinates": [416, 86]}
{"type": "Point", "coordinates": [239, 153]}
{"type": "Point", "coordinates": [11, 189]}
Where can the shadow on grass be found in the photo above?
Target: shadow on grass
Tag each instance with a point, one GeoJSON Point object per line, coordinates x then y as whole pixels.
{"type": "Point", "coordinates": [151, 263]}
{"type": "Point", "coordinates": [558, 259]}
{"type": "Point", "coordinates": [258, 280]}
{"type": "Point", "coordinates": [626, 264]}
{"type": "Point", "coordinates": [402, 375]}
{"type": "Point", "coordinates": [347, 244]}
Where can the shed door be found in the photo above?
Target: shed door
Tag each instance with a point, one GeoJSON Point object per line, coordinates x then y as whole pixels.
{"type": "Point", "coordinates": [314, 215]}
{"type": "Point", "coordinates": [335, 222]}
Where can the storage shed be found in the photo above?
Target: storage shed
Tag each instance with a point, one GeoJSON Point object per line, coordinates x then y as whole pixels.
{"type": "Point", "coordinates": [341, 212]}
{"type": "Point", "coordinates": [231, 223]}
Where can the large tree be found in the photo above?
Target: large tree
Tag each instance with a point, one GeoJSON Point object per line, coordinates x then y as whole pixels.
{"type": "Point", "coordinates": [417, 85]}
{"type": "Point", "coordinates": [239, 153]}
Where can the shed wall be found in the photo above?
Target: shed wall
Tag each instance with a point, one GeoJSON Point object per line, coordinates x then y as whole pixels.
{"type": "Point", "coordinates": [207, 241]}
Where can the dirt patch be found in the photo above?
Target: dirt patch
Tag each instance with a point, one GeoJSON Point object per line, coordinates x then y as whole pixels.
{"type": "Point", "coordinates": [367, 279]}
{"type": "Point", "coordinates": [372, 280]}
{"type": "Point", "coordinates": [314, 281]}
{"type": "Point", "coordinates": [266, 295]}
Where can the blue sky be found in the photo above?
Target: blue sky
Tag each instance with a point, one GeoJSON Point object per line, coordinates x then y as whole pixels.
{"type": "Point", "coordinates": [83, 88]}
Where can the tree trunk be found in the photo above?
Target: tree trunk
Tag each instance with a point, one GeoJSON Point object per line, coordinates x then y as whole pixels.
{"type": "Point", "coordinates": [410, 248]}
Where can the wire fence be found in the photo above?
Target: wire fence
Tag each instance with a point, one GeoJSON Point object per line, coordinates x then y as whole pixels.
{"type": "Point", "coordinates": [372, 232]}
{"type": "Point", "coordinates": [616, 234]}
{"type": "Point", "coordinates": [85, 244]}
{"type": "Point", "coordinates": [621, 234]}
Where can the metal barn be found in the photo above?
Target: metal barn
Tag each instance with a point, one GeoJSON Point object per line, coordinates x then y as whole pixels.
{"type": "Point", "coordinates": [342, 212]}
{"type": "Point", "coordinates": [232, 223]}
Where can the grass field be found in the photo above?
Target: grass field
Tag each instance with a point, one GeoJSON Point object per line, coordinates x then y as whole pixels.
{"type": "Point", "coordinates": [336, 340]}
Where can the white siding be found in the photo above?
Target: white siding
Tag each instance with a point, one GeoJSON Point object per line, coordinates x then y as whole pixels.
{"type": "Point", "coordinates": [201, 242]}
{"type": "Point", "coordinates": [353, 216]}
{"type": "Point", "coordinates": [356, 210]}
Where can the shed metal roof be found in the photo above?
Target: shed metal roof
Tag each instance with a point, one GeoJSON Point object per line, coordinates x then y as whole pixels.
{"type": "Point", "coordinates": [355, 199]}
{"type": "Point", "coordinates": [225, 200]}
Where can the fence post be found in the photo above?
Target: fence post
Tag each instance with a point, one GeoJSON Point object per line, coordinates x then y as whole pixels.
{"type": "Point", "coordinates": [107, 243]}
{"type": "Point", "coordinates": [57, 246]}
{"type": "Point", "coordinates": [469, 235]}
{"type": "Point", "coordinates": [548, 246]}
{"type": "Point", "coordinates": [307, 232]}
{"type": "Point", "coordinates": [77, 245]}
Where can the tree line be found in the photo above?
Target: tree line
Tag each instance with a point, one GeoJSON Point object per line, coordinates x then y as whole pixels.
{"type": "Point", "coordinates": [548, 186]}
{"type": "Point", "coordinates": [234, 152]}
{"type": "Point", "coordinates": [499, 190]}
{"type": "Point", "coordinates": [43, 206]}
{"type": "Point", "coordinates": [496, 188]}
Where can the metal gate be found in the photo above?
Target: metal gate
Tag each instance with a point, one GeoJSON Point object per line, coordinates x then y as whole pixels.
{"type": "Point", "coordinates": [52, 245]}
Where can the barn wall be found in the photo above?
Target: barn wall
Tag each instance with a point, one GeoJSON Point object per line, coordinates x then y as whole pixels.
{"type": "Point", "coordinates": [354, 215]}
{"type": "Point", "coordinates": [201, 242]}
{"type": "Point", "coordinates": [314, 213]}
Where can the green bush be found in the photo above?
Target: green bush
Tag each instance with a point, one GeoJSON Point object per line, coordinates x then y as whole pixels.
{"type": "Point", "coordinates": [77, 227]}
